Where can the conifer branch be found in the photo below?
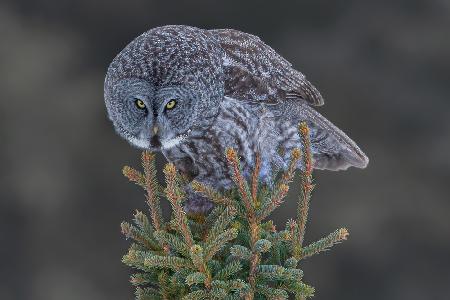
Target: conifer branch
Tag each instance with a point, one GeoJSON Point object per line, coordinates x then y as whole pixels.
{"type": "Point", "coordinates": [255, 178]}
{"type": "Point", "coordinates": [250, 295]}
{"type": "Point", "coordinates": [254, 260]}
{"type": "Point", "coordinates": [221, 223]}
{"type": "Point", "coordinates": [241, 252]}
{"type": "Point", "coordinates": [136, 259]}
{"type": "Point", "coordinates": [141, 220]}
{"type": "Point", "coordinates": [211, 219]}
{"type": "Point", "coordinates": [167, 262]}
{"type": "Point", "coordinates": [142, 278]}
{"type": "Point", "coordinates": [288, 175]}
{"type": "Point", "coordinates": [306, 187]}
{"type": "Point", "coordinates": [228, 285]}
{"type": "Point", "coordinates": [174, 242]}
{"type": "Point", "coordinates": [199, 261]}
{"type": "Point", "coordinates": [163, 283]}
{"type": "Point", "coordinates": [195, 278]}
{"type": "Point", "coordinates": [325, 243]}
{"type": "Point", "coordinates": [174, 195]}
{"type": "Point", "coordinates": [210, 193]}
{"type": "Point", "coordinates": [291, 262]}
{"type": "Point", "coordinates": [240, 182]}
{"type": "Point", "coordinates": [196, 295]}
{"type": "Point", "coordinates": [219, 242]}
{"type": "Point", "coordinates": [243, 188]}
{"type": "Point", "coordinates": [228, 289]}
{"type": "Point", "coordinates": [301, 290]}
{"type": "Point", "coordinates": [229, 270]}
{"type": "Point", "coordinates": [272, 293]}
{"type": "Point", "coordinates": [274, 272]}
{"type": "Point", "coordinates": [137, 235]}
{"type": "Point", "coordinates": [229, 253]}
{"type": "Point", "coordinates": [134, 176]}
{"type": "Point", "coordinates": [262, 246]}
{"type": "Point", "coordinates": [147, 294]}
{"type": "Point", "coordinates": [275, 200]}
{"type": "Point", "coordinates": [151, 186]}
{"type": "Point", "coordinates": [282, 188]}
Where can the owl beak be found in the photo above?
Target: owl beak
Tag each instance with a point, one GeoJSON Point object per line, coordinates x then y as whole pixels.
{"type": "Point", "coordinates": [154, 141]}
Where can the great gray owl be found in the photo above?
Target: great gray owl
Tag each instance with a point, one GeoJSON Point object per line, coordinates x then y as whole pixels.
{"type": "Point", "coordinates": [191, 93]}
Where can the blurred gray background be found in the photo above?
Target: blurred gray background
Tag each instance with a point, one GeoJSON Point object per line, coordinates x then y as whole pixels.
{"type": "Point", "coordinates": [382, 66]}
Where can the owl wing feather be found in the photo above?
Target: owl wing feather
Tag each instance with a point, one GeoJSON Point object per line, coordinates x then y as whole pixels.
{"type": "Point", "coordinates": [256, 72]}
{"type": "Point", "coordinates": [332, 148]}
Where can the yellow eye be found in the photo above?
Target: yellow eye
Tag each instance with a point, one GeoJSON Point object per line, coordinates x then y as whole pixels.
{"type": "Point", "coordinates": [171, 104]}
{"type": "Point", "coordinates": [140, 104]}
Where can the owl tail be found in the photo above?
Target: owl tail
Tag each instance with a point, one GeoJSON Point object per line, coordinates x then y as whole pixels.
{"type": "Point", "coordinates": [332, 149]}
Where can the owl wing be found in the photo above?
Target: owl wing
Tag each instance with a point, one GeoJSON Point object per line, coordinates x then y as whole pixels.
{"type": "Point", "coordinates": [256, 72]}
{"type": "Point", "coordinates": [332, 149]}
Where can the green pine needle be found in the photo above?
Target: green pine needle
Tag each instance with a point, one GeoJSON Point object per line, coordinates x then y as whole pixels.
{"type": "Point", "coordinates": [231, 253]}
{"type": "Point", "coordinates": [229, 270]}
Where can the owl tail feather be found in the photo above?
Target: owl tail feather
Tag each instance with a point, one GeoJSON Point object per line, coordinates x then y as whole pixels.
{"type": "Point", "coordinates": [332, 149]}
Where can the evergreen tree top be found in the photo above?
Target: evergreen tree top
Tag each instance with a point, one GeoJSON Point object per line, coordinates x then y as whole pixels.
{"type": "Point", "coordinates": [233, 252]}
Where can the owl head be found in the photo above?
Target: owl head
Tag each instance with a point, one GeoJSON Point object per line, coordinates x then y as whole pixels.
{"type": "Point", "coordinates": [164, 84]}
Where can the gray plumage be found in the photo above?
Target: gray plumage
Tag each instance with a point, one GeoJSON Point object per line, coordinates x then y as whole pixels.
{"type": "Point", "coordinates": [191, 93]}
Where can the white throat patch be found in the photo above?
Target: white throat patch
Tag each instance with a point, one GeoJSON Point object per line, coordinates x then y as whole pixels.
{"type": "Point", "coordinates": [167, 144]}
{"type": "Point", "coordinates": [140, 143]}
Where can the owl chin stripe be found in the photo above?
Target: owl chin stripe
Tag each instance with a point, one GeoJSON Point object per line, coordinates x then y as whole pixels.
{"type": "Point", "coordinates": [170, 143]}
{"type": "Point", "coordinates": [140, 143]}
{"type": "Point", "coordinates": [167, 144]}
